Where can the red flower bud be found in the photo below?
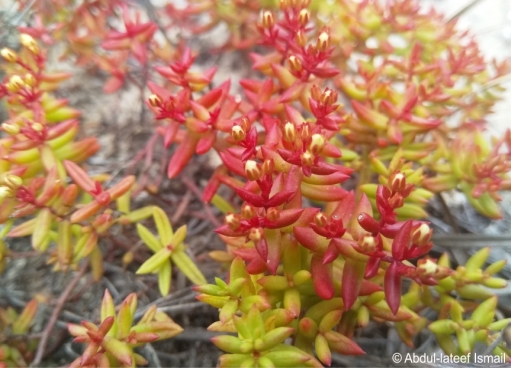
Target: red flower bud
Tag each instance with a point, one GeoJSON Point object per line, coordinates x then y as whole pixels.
{"type": "Point", "coordinates": [253, 170]}
{"type": "Point", "coordinates": [368, 244]}
{"type": "Point", "coordinates": [272, 214]}
{"type": "Point", "coordinates": [268, 167]}
{"type": "Point", "coordinates": [397, 182]}
{"type": "Point", "coordinates": [238, 133]}
{"type": "Point", "coordinates": [155, 100]}
{"type": "Point", "coordinates": [256, 234]}
{"type": "Point", "coordinates": [9, 55]}
{"type": "Point", "coordinates": [301, 38]}
{"type": "Point", "coordinates": [304, 17]}
{"type": "Point", "coordinates": [396, 201]}
{"type": "Point", "coordinates": [268, 19]}
{"type": "Point", "coordinates": [307, 159]}
{"type": "Point", "coordinates": [232, 220]}
{"type": "Point", "coordinates": [317, 144]}
{"type": "Point", "coordinates": [422, 234]}
{"type": "Point", "coordinates": [320, 219]}
{"type": "Point", "coordinates": [247, 211]}
{"type": "Point", "coordinates": [323, 41]}
{"type": "Point", "coordinates": [295, 63]}
{"type": "Point", "coordinates": [289, 132]}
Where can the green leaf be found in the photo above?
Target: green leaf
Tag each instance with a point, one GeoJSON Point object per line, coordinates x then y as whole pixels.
{"type": "Point", "coordinates": [255, 322]}
{"type": "Point", "coordinates": [149, 239]}
{"type": "Point", "coordinates": [163, 225]}
{"type": "Point", "coordinates": [123, 202]}
{"type": "Point", "coordinates": [276, 336]}
{"type": "Point", "coordinates": [223, 205]}
{"type": "Point", "coordinates": [120, 350]}
{"type": "Point", "coordinates": [165, 278]}
{"type": "Point", "coordinates": [228, 343]}
{"type": "Point", "coordinates": [155, 262]}
{"type": "Point", "coordinates": [137, 215]}
{"type": "Point", "coordinates": [108, 310]}
{"type": "Point", "coordinates": [124, 320]}
{"type": "Point", "coordinates": [188, 267]}
{"type": "Point", "coordinates": [244, 331]}
{"type": "Point", "coordinates": [178, 237]}
{"type": "Point", "coordinates": [478, 260]}
{"type": "Point", "coordinates": [484, 313]}
{"type": "Point", "coordinates": [42, 229]}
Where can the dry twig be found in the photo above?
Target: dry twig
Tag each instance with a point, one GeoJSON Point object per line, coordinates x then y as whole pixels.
{"type": "Point", "coordinates": [191, 185]}
{"type": "Point", "coordinates": [55, 315]}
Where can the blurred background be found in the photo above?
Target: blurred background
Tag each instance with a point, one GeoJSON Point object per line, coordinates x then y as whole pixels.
{"type": "Point", "coordinates": [490, 22]}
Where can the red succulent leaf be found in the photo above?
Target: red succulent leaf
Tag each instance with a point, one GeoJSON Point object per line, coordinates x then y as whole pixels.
{"type": "Point", "coordinates": [205, 143]}
{"type": "Point", "coordinates": [390, 230]}
{"type": "Point", "coordinates": [368, 287]}
{"type": "Point", "coordinates": [247, 254]}
{"type": "Point", "coordinates": [170, 133]}
{"type": "Point", "coordinates": [352, 277]}
{"type": "Point", "coordinates": [286, 218]}
{"type": "Point", "coordinates": [402, 241]}
{"type": "Point", "coordinates": [325, 72]}
{"type": "Point", "coordinates": [254, 199]}
{"type": "Point", "coordinates": [306, 217]}
{"type": "Point", "coordinates": [79, 176]}
{"type": "Point", "coordinates": [256, 266]}
{"type": "Point", "coordinates": [416, 251]}
{"type": "Point", "coordinates": [343, 344]}
{"type": "Point", "coordinates": [262, 248]}
{"type": "Point", "coordinates": [213, 96]}
{"type": "Point", "coordinates": [158, 90]}
{"type": "Point", "coordinates": [279, 198]}
{"type": "Point", "coordinates": [322, 277]}
{"type": "Point", "coordinates": [183, 154]}
{"type": "Point", "coordinates": [330, 150]}
{"type": "Point", "coordinates": [392, 287]}
{"type": "Point", "coordinates": [309, 239]}
{"type": "Point", "coordinates": [331, 253]}
{"type": "Point", "coordinates": [274, 250]}
{"type": "Point", "coordinates": [372, 267]}
{"type": "Point", "coordinates": [234, 164]}
{"type": "Point", "coordinates": [228, 231]}
{"type": "Point", "coordinates": [345, 208]}
{"type": "Point", "coordinates": [389, 109]}
{"type": "Point", "coordinates": [322, 168]}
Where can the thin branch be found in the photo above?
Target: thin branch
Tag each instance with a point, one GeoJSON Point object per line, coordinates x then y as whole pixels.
{"type": "Point", "coordinates": [197, 334]}
{"type": "Point", "coordinates": [496, 342]}
{"type": "Point", "coordinates": [463, 10]}
{"type": "Point", "coordinates": [181, 307]}
{"type": "Point", "coordinates": [55, 315]}
{"type": "Point", "coordinates": [181, 208]}
{"type": "Point", "coordinates": [176, 295]}
{"type": "Point", "coordinates": [468, 241]}
{"type": "Point", "coordinates": [13, 255]}
{"type": "Point", "coordinates": [191, 185]}
{"type": "Point", "coordinates": [449, 218]}
{"type": "Point", "coordinates": [152, 356]}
